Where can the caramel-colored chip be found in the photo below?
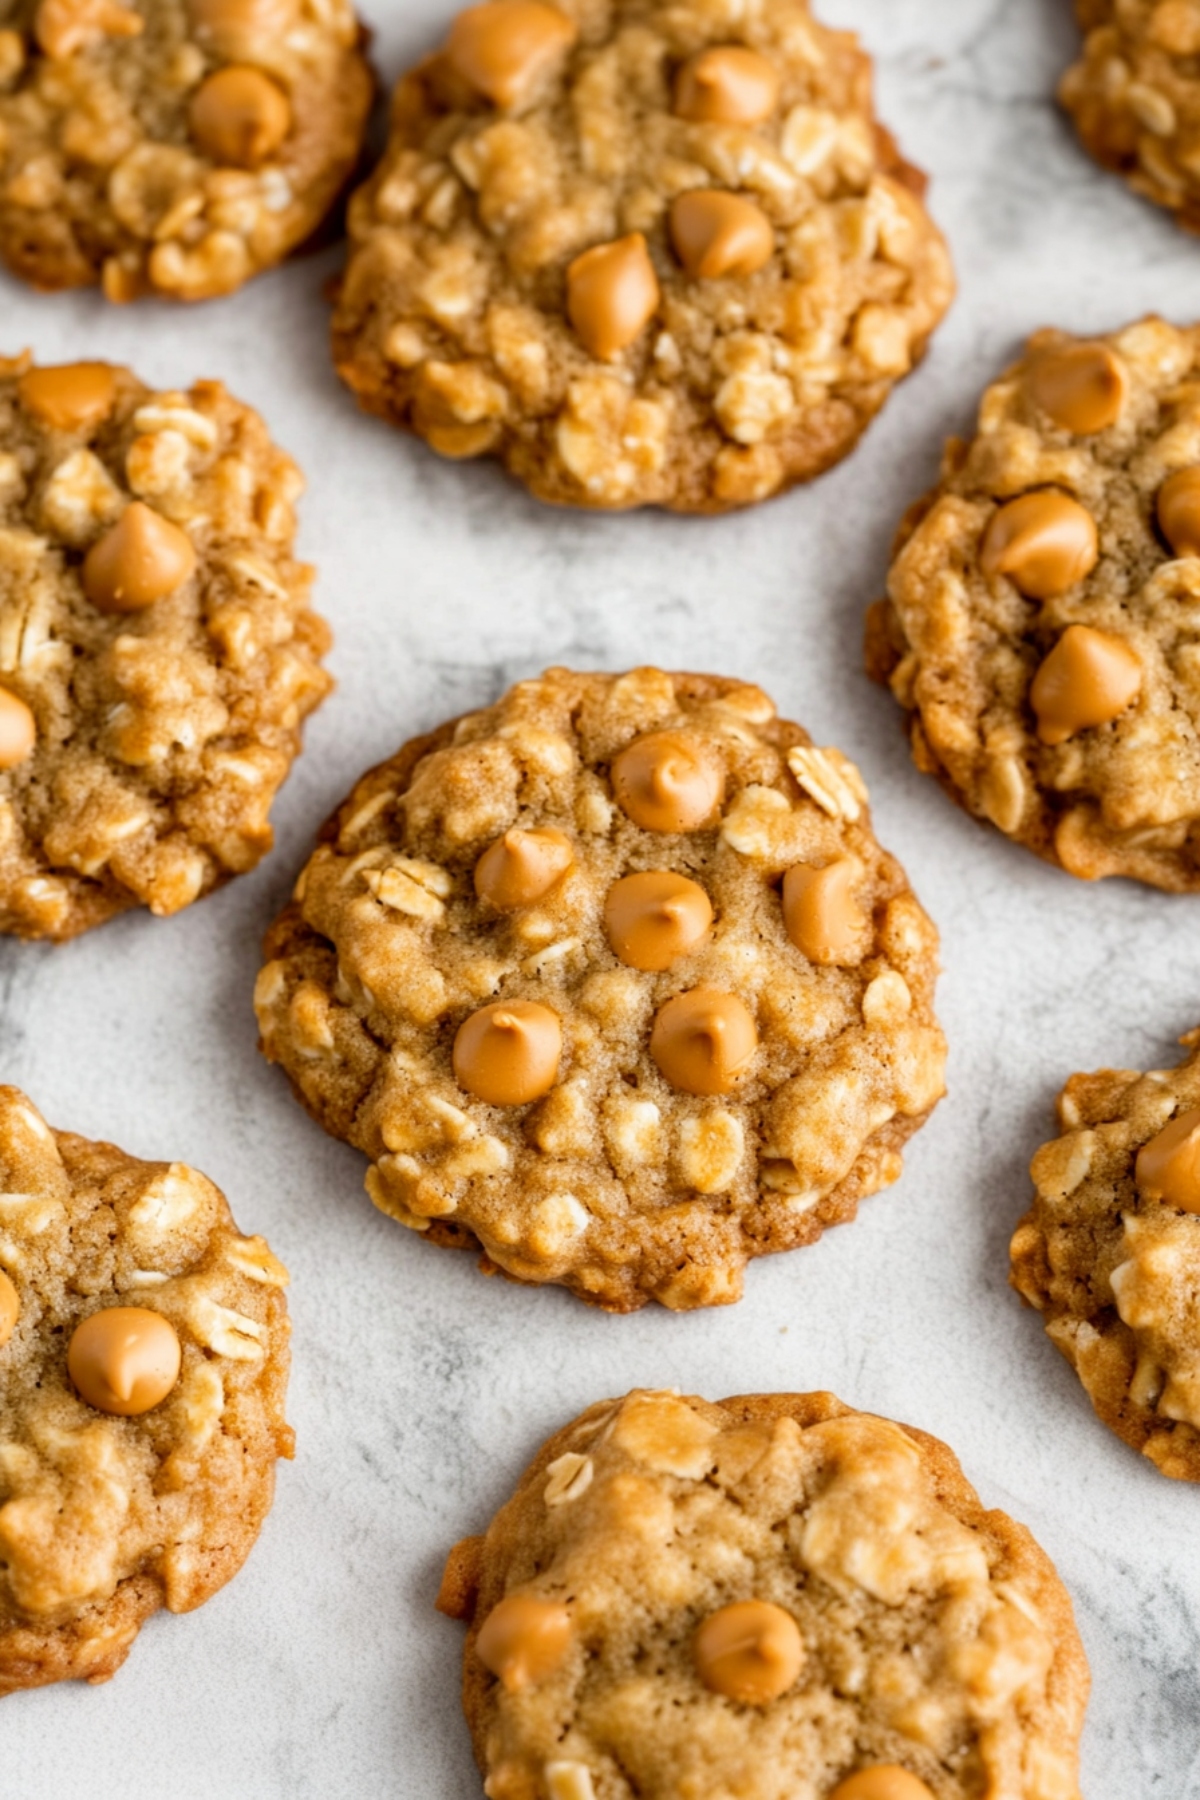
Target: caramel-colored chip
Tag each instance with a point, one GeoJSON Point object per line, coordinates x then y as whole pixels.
{"type": "Point", "coordinates": [10, 1308]}
{"type": "Point", "coordinates": [1088, 679]}
{"type": "Point", "coordinates": [524, 1639]}
{"type": "Point", "coordinates": [653, 919]}
{"type": "Point", "coordinates": [727, 85]}
{"type": "Point", "coordinates": [18, 729]}
{"type": "Point", "coordinates": [716, 233]}
{"type": "Point", "coordinates": [751, 1652]}
{"type": "Point", "coordinates": [612, 294]}
{"type": "Point", "coordinates": [64, 27]}
{"type": "Point", "coordinates": [240, 117]}
{"type": "Point", "coordinates": [521, 866]}
{"type": "Point", "coordinates": [703, 1041]}
{"type": "Point", "coordinates": [885, 1781]}
{"type": "Point", "coordinates": [1082, 387]}
{"type": "Point", "coordinates": [503, 47]}
{"type": "Point", "coordinates": [668, 781]}
{"type": "Point", "coordinates": [1044, 541]}
{"type": "Point", "coordinates": [124, 1360]}
{"type": "Point", "coordinates": [1168, 1167]}
{"type": "Point", "coordinates": [822, 917]}
{"type": "Point", "coordinates": [507, 1054]}
{"type": "Point", "coordinates": [229, 22]}
{"type": "Point", "coordinates": [1178, 508]}
{"type": "Point", "coordinates": [142, 559]}
{"type": "Point", "coordinates": [69, 396]}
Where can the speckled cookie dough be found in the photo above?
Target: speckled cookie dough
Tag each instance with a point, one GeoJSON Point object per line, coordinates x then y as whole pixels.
{"type": "Point", "coordinates": [172, 147]}
{"type": "Point", "coordinates": [157, 652]}
{"type": "Point", "coordinates": [774, 1597]}
{"type": "Point", "coordinates": [1042, 625]}
{"type": "Point", "coordinates": [613, 980]}
{"type": "Point", "coordinates": [1109, 1252]}
{"type": "Point", "coordinates": [644, 253]}
{"type": "Point", "coordinates": [143, 1366]}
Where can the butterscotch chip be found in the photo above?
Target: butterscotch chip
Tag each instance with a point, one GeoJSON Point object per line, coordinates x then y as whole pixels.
{"type": "Point", "coordinates": [142, 1387]}
{"type": "Point", "coordinates": [1109, 1252]}
{"type": "Point", "coordinates": [822, 916]}
{"type": "Point", "coordinates": [174, 149]}
{"type": "Point", "coordinates": [772, 1595]}
{"type": "Point", "coordinates": [157, 652]}
{"type": "Point", "coordinates": [630, 1081]}
{"type": "Point", "coordinates": [645, 252]}
{"type": "Point", "coordinates": [523, 1640]}
{"type": "Point", "coordinates": [1032, 625]}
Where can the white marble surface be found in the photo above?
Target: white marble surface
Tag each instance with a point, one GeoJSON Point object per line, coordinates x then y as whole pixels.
{"type": "Point", "coordinates": [419, 1390]}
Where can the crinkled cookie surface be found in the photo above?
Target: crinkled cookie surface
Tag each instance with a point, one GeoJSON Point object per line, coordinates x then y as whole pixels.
{"type": "Point", "coordinates": [172, 147]}
{"type": "Point", "coordinates": [612, 1180]}
{"type": "Point", "coordinates": [159, 737]}
{"type": "Point", "coordinates": [927, 1634]}
{"type": "Point", "coordinates": [1049, 659]}
{"type": "Point", "coordinates": [455, 317]}
{"type": "Point", "coordinates": [104, 1519]}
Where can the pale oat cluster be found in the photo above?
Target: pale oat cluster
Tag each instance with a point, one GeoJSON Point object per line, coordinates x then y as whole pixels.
{"type": "Point", "coordinates": [105, 1519]}
{"type": "Point", "coordinates": [452, 315]}
{"type": "Point", "coordinates": [162, 735]}
{"type": "Point", "coordinates": [935, 1635]}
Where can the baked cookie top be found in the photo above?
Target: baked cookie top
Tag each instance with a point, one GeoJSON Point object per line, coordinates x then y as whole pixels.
{"type": "Point", "coordinates": [612, 979]}
{"type": "Point", "coordinates": [143, 1365]}
{"type": "Point", "coordinates": [643, 252]}
{"type": "Point", "coordinates": [172, 147]}
{"type": "Point", "coordinates": [1134, 96]}
{"type": "Point", "coordinates": [775, 1596]}
{"type": "Point", "coordinates": [1042, 625]}
{"type": "Point", "coordinates": [157, 652]}
{"type": "Point", "coordinates": [1109, 1252]}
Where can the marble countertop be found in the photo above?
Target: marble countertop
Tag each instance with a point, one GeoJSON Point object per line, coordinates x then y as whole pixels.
{"type": "Point", "coordinates": [418, 1390]}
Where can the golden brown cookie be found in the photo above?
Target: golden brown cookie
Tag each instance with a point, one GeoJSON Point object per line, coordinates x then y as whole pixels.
{"type": "Point", "coordinates": [773, 1595]}
{"type": "Point", "coordinates": [613, 980]}
{"type": "Point", "coordinates": [157, 652]}
{"type": "Point", "coordinates": [172, 147]}
{"type": "Point", "coordinates": [1041, 627]}
{"type": "Point", "coordinates": [645, 253]}
{"type": "Point", "coordinates": [1109, 1252]}
{"type": "Point", "coordinates": [143, 1366]}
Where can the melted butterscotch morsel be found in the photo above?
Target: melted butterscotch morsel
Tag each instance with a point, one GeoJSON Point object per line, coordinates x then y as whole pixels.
{"type": "Point", "coordinates": [751, 1652]}
{"type": "Point", "coordinates": [63, 27]}
{"type": "Point", "coordinates": [523, 1640]}
{"type": "Point", "coordinates": [503, 47]}
{"type": "Point", "coordinates": [886, 1781]}
{"type": "Point", "coordinates": [507, 1054]}
{"type": "Point", "coordinates": [1082, 387]}
{"type": "Point", "coordinates": [234, 25]}
{"type": "Point", "coordinates": [142, 559]}
{"type": "Point", "coordinates": [1088, 679]}
{"type": "Point", "coordinates": [70, 396]}
{"type": "Point", "coordinates": [703, 1041]}
{"type": "Point", "coordinates": [1045, 542]}
{"type": "Point", "coordinates": [717, 234]}
{"type": "Point", "coordinates": [821, 915]}
{"type": "Point", "coordinates": [653, 919]}
{"type": "Point", "coordinates": [521, 866]}
{"type": "Point", "coordinates": [10, 1308]}
{"type": "Point", "coordinates": [240, 117]}
{"type": "Point", "coordinates": [124, 1360]}
{"type": "Point", "coordinates": [668, 781]}
{"type": "Point", "coordinates": [612, 294]}
{"type": "Point", "coordinates": [18, 729]}
{"type": "Point", "coordinates": [1178, 510]}
{"type": "Point", "coordinates": [728, 85]}
{"type": "Point", "coordinates": [1168, 1167]}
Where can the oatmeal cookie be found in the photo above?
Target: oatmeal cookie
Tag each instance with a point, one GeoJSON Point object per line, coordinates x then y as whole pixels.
{"type": "Point", "coordinates": [172, 147]}
{"type": "Point", "coordinates": [646, 253]}
{"type": "Point", "coordinates": [613, 980]}
{"type": "Point", "coordinates": [1042, 625]}
{"type": "Point", "coordinates": [1109, 1252]}
{"type": "Point", "coordinates": [143, 1365]}
{"type": "Point", "coordinates": [775, 1597]}
{"type": "Point", "coordinates": [157, 653]}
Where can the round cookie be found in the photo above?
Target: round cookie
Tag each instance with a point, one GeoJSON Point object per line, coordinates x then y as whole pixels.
{"type": "Point", "coordinates": [1134, 97]}
{"type": "Point", "coordinates": [1109, 1252]}
{"type": "Point", "coordinates": [157, 652]}
{"type": "Point", "coordinates": [1042, 627]}
{"type": "Point", "coordinates": [773, 1596]}
{"type": "Point", "coordinates": [173, 147]}
{"type": "Point", "coordinates": [143, 1366]}
{"type": "Point", "coordinates": [613, 980]}
{"type": "Point", "coordinates": [645, 253]}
